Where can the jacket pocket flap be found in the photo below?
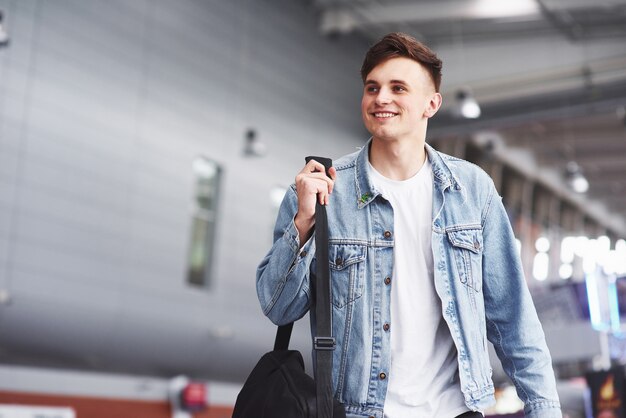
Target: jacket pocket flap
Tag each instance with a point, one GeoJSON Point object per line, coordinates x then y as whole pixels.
{"type": "Point", "coordinates": [470, 239]}
{"type": "Point", "coordinates": [344, 255]}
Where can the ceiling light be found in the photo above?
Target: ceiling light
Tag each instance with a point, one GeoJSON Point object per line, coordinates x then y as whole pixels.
{"type": "Point", "coordinates": [4, 36]}
{"type": "Point", "coordinates": [494, 9]}
{"type": "Point", "coordinates": [541, 264]}
{"type": "Point", "coordinates": [575, 178]}
{"type": "Point", "coordinates": [566, 271]}
{"type": "Point", "coordinates": [542, 244]}
{"type": "Point", "coordinates": [579, 183]}
{"type": "Point", "coordinates": [466, 107]}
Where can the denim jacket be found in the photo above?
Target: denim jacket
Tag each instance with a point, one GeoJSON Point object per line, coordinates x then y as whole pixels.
{"type": "Point", "coordinates": [478, 278]}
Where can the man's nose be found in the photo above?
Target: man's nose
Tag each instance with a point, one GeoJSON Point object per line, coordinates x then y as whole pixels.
{"type": "Point", "coordinates": [383, 97]}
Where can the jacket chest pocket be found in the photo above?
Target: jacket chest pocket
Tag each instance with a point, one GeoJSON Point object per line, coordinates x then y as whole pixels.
{"type": "Point", "coordinates": [467, 249]}
{"type": "Point", "coordinates": [346, 271]}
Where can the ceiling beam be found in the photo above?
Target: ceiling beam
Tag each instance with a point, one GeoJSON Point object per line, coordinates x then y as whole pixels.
{"type": "Point", "coordinates": [570, 135]}
{"type": "Point", "coordinates": [603, 160]}
{"type": "Point", "coordinates": [561, 5]}
{"type": "Point", "coordinates": [555, 153]}
{"type": "Point", "coordinates": [607, 175]}
{"type": "Point", "coordinates": [346, 17]}
{"type": "Point", "coordinates": [615, 198]}
{"type": "Point", "coordinates": [525, 163]}
{"type": "Point", "coordinates": [512, 113]}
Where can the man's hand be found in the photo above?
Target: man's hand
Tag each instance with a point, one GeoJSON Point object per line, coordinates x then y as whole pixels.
{"type": "Point", "coordinates": [312, 183]}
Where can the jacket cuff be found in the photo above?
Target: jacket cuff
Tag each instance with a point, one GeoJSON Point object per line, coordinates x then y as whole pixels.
{"type": "Point", "coordinates": [292, 238]}
{"type": "Point", "coordinates": [543, 409]}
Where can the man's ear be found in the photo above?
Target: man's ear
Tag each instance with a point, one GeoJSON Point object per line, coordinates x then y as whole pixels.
{"type": "Point", "coordinates": [433, 105]}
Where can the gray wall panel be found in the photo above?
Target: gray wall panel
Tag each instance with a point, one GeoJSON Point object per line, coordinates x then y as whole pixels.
{"type": "Point", "coordinates": [36, 202]}
{"type": "Point", "coordinates": [37, 264]}
{"type": "Point", "coordinates": [103, 108]}
{"type": "Point", "coordinates": [69, 239]}
{"type": "Point", "coordinates": [94, 295]}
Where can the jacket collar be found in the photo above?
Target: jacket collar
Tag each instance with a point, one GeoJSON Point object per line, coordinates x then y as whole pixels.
{"type": "Point", "coordinates": [442, 173]}
{"type": "Point", "coordinates": [366, 192]}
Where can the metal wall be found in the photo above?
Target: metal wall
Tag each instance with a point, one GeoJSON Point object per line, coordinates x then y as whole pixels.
{"type": "Point", "coordinates": [103, 107]}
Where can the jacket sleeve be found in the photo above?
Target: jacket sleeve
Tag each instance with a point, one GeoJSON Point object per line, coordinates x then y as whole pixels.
{"type": "Point", "coordinates": [283, 276]}
{"type": "Point", "coordinates": [512, 323]}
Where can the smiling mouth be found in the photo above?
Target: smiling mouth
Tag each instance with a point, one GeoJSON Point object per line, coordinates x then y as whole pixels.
{"type": "Point", "coordinates": [384, 115]}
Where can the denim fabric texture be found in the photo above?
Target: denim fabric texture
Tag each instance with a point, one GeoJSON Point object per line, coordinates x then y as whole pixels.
{"type": "Point", "coordinates": [478, 278]}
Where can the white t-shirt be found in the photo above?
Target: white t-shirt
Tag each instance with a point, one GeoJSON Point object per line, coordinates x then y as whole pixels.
{"type": "Point", "coordinates": [423, 379]}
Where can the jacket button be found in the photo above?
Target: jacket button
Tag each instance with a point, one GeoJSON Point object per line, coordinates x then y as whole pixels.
{"type": "Point", "coordinates": [476, 245]}
{"type": "Point", "coordinates": [338, 261]}
{"type": "Point", "coordinates": [386, 327]}
{"type": "Point", "coordinates": [303, 253]}
{"type": "Point", "coordinates": [387, 234]}
{"type": "Point", "coordinates": [382, 376]}
{"type": "Point", "coordinates": [387, 280]}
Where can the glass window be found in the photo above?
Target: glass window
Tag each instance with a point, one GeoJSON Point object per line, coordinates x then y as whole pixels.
{"type": "Point", "coordinates": [207, 175]}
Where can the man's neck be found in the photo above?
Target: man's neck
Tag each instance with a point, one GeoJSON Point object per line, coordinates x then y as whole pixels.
{"type": "Point", "coordinates": [395, 159]}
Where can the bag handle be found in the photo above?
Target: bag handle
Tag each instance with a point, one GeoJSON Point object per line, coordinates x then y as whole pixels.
{"type": "Point", "coordinates": [323, 342]}
{"type": "Point", "coordinates": [283, 335]}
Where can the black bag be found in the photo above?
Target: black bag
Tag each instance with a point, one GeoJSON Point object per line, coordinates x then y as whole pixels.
{"type": "Point", "coordinates": [278, 386]}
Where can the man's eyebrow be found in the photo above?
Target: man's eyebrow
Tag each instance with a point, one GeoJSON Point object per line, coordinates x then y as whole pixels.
{"type": "Point", "coordinates": [369, 82]}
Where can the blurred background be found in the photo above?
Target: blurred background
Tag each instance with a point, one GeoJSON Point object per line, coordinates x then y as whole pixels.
{"type": "Point", "coordinates": [145, 146]}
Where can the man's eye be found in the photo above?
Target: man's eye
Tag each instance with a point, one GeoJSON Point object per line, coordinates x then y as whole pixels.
{"type": "Point", "coordinates": [399, 88]}
{"type": "Point", "coordinates": [372, 89]}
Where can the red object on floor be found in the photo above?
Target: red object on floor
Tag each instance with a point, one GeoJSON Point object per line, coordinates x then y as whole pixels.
{"type": "Point", "coordinates": [194, 397]}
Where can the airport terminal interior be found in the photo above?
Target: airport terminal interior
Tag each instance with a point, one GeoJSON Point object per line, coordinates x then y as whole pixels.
{"type": "Point", "coordinates": [146, 146]}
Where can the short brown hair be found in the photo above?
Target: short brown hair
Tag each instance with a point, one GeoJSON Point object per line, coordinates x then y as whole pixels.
{"type": "Point", "coordinates": [398, 44]}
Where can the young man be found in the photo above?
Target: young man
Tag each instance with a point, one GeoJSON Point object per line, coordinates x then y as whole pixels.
{"type": "Point", "coordinates": [424, 267]}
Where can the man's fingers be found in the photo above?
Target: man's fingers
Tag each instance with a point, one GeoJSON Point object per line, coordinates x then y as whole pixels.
{"type": "Point", "coordinates": [312, 181]}
{"type": "Point", "coordinates": [310, 185]}
{"type": "Point", "coordinates": [333, 173]}
{"type": "Point", "coordinates": [315, 167]}
{"type": "Point", "coordinates": [307, 175]}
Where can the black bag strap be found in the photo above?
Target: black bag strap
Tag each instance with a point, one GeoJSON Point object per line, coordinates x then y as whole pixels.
{"type": "Point", "coordinates": [323, 342]}
{"type": "Point", "coordinates": [283, 335]}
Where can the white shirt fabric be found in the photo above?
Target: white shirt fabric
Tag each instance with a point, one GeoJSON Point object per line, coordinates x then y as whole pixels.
{"type": "Point", "coordinates": [423, 379]}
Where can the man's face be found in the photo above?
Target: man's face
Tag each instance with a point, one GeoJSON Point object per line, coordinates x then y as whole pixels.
{"type": "Point", "coordinates": [398, 97]}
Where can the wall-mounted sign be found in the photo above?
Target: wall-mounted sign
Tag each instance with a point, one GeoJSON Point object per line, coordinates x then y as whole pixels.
{"type": "Point", "coordinates": [24, 411]}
